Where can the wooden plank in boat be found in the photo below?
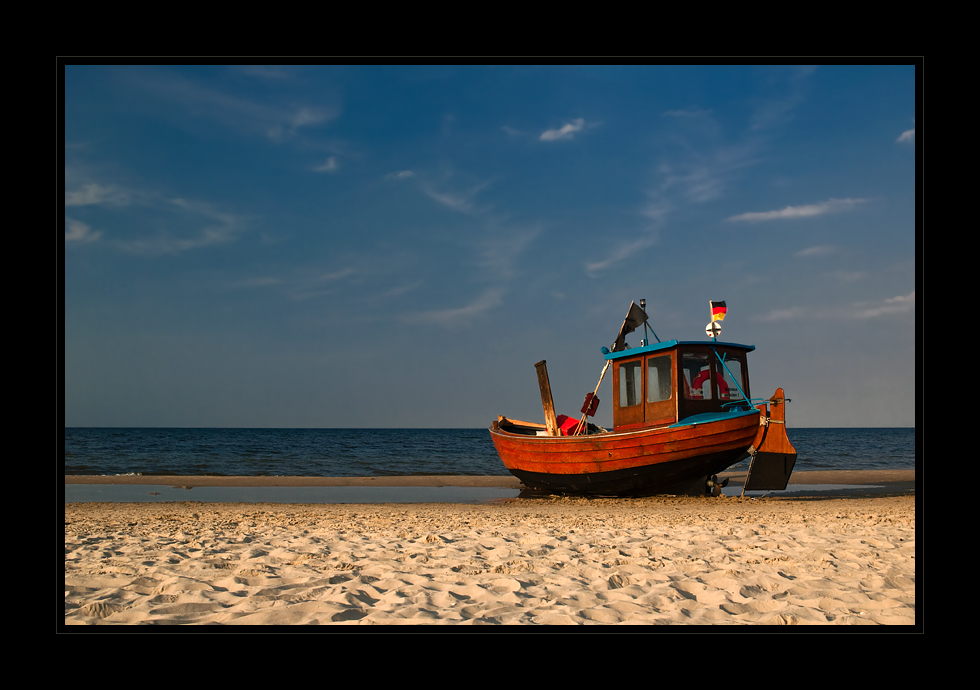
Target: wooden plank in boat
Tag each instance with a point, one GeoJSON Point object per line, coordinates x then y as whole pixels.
{"type": "Point", "coordinates": [516, 422]}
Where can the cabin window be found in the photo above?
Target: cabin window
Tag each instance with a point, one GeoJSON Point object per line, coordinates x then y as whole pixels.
{"type": "Point", "coordinates": [729, 390]}
{"type": "Point", "coordinates": [658, 378]}
{"type": "Point", "coordinates": [630, 383]}
{"type": "Point", "coordinates": [697, 375]}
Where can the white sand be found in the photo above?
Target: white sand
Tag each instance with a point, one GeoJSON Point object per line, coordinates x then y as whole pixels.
{"type": "Point", "coordinates": [559, 561]}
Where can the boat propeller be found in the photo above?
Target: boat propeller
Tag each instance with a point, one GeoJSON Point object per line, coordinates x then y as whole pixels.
{"type": "Point", "coordinates": [714, 486]}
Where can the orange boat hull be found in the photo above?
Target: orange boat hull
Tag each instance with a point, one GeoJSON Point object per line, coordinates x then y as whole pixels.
{"type": "Point", "coordinates": [669, 459]}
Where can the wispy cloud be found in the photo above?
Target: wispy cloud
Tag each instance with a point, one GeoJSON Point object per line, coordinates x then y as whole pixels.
{"type": "Point", "coordinates": [849, 276]}
{"type": "Point", "coordinates": [786, 314]}
{"type": "Point", "coordinates": [701, 177]}
{"type": "Point", "coordinates": [775, 112]}
{"type": "Point", "coordinates": [622, 251]}
{"type": "Point", "coordinates": [208, 211]}
{"type": "Point", "coordinates": [462, 201]}
{"type": "Point", "coordinates": [94, 194]}
{"type": "Point", "coordinates": [309, 285]}
{"type": "Point", "coordinates": [907, 136]}
{"type": "Point", "coordinates": [400, 175]}
{"type": "Point", "coordinates": [334, 275]}
{"type": "Point", "coordinates": [567, 131]}
{"type": "Point", "coordinates": [221, 227]}
{"type": "Point", "coordinates": [186, 223]}
{"type": "Point", "coordinates": [502, 248]}
{"type": "Point", "coordinates": [862, 310]}
{"type": "Point", "coordinates": [778, 110]}
{"type": "Point", "coordinates": [458, 202]}
{"type": "Point", "coordinates": [260, 282]}
{"type": "Point", "coordinates": [706, 168]}
{"type": "Point", "coordinates": [894, 305]}
{"type": "Point", "coordinates": [498, 253]}
{"type": "Point", "coordinates": [688, 113]}
{"type": "Point", "coordinates": [449, 317]}
{"type": "Point", "coordinates": [276, 122]}
{"type": "Point", "coordinates": [657, 213]}
{"type": "Point", "coordinates": [400, 290]}
{"type": "Point", "coordinates": [329, 165]}
{"type": "Point", "coordinates": [698, 184]}
{"type": "Point", "coordinates": [301, 117]}
{"type": "Point", "coordinates": [77, 231]}
{"type": "Point", "coordinates": [822, 250]}
{"type": "Point", "coordinates": [277, 72]}
{"type": "Point", "coordinates": [808, 211]}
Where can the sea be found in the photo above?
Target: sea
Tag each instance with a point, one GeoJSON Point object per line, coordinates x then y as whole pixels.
{"type": "Point", "coordinates": [395, 452]}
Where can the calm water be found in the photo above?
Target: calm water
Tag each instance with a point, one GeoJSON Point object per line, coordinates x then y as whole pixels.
{"type": "Point", "coordinates": [378, 452]}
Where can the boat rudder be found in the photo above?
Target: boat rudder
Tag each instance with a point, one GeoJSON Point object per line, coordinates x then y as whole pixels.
{"type": "Point", "coordinates": [774, 457]}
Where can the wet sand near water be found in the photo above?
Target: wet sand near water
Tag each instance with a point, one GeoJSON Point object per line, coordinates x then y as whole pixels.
{"type": "Point", "coordinates": [896, 481]}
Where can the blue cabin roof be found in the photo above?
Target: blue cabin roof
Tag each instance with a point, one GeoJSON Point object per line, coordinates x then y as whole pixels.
{"type": "Point", "coordinates": [668, 344]}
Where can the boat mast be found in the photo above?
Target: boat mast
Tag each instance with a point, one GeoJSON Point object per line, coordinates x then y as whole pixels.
{"type": "Point", "coordinates": [643, 306]}
{"type": "Point", "coordinates": [646, 324]}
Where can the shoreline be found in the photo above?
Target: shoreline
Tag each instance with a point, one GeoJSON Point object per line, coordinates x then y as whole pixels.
{"type": "Point", "coordinates": [499, 481]}
{"type": "Point", "coordinates": [836, 482]}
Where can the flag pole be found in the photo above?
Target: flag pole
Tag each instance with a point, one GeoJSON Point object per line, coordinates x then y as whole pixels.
{"type": "Point", "coordinates": [711, 317]}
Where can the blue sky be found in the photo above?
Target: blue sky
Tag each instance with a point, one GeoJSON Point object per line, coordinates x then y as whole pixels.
{"type": "Point", "coordinates": [292, 246]}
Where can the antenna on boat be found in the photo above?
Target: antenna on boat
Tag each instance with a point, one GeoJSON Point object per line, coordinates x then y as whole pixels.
{"type": "Point", "coordinates": [646, 324]}
{"type": "Point", "coordinates": [643, 306]}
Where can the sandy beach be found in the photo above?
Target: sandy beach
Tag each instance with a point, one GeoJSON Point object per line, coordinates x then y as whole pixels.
{"type": "Point", "coordinates": [839, 560]}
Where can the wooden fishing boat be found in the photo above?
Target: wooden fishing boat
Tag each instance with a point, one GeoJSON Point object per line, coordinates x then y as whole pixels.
{"type": "Point", "coordinates": [681, 414]}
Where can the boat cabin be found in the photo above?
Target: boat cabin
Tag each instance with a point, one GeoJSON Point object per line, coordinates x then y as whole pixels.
{"type": "Point", "coordinates": [665, 383]}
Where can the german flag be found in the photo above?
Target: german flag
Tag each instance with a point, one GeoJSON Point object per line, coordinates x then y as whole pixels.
{"type": "Point", "coordinates": [718, 311]}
